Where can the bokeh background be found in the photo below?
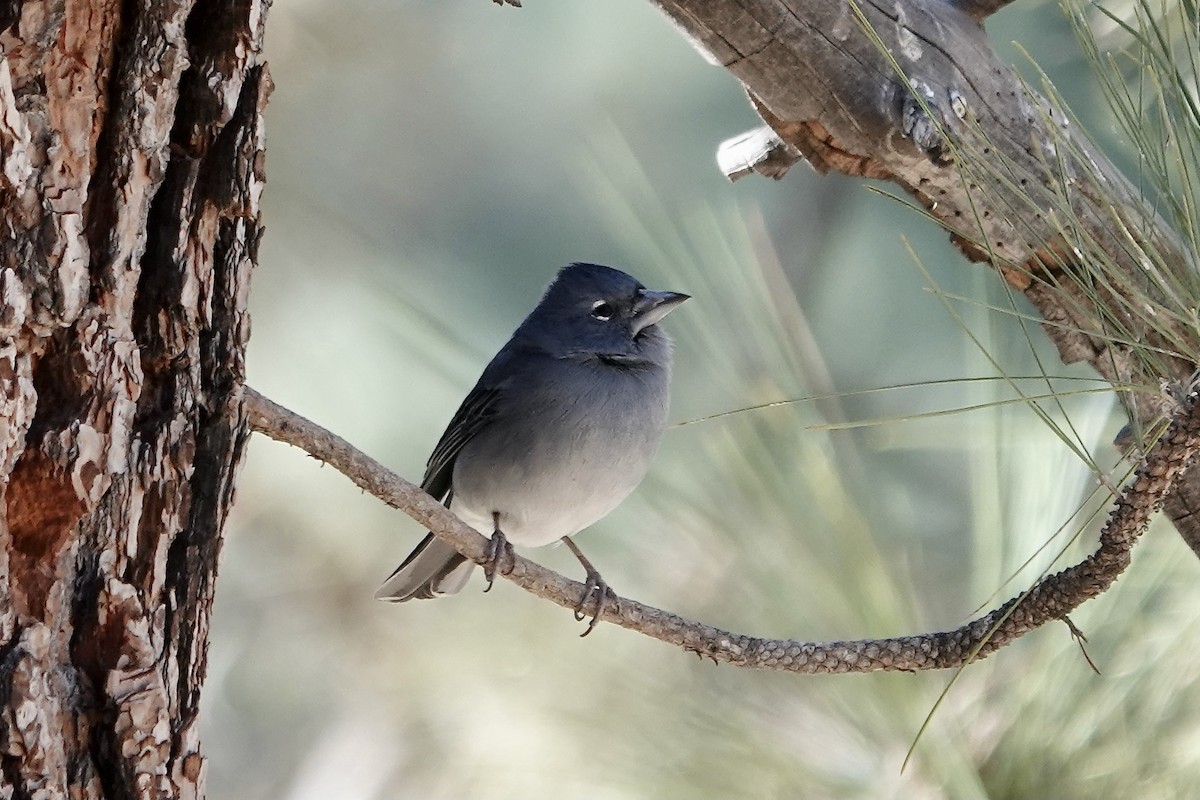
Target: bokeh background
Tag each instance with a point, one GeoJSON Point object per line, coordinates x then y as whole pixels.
{"type": "Point", "coordinates": [431, 163]}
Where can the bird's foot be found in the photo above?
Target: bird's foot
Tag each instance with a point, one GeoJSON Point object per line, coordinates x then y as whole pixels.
{"type": "Point", "coordinates": [605, 598]}
{"type": "Point", "coordinates": [499, 558]}
{"type": "Point", "coordinates": [594, 585]}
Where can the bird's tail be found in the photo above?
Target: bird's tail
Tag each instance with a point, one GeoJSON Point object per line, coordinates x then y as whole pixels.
{"type": "Point", "coordinates": [433, 569]}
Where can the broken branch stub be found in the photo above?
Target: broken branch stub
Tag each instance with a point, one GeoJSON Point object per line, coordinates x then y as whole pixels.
{"type": "Point", "coordinates": [911, 92]}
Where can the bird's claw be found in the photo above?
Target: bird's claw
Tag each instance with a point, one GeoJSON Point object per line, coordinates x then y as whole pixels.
{"type": "Point", "coordinates": [499, 558]}
{"type": "Point", "coordinates": [605, 598]}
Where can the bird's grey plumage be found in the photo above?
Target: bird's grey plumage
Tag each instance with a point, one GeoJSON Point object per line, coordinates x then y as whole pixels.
{"type": "Point", "coordinates": [560, 428]}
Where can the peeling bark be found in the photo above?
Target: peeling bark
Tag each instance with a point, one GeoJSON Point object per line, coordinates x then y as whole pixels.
{"type": "Point", "coordinates": [131, 151]}
{"type": "Point", "coordinates": [832, 95]}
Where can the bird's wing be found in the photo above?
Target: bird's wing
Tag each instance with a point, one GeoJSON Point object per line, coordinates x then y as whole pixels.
{"type": "Point", "coordinates": [433, 567]}
{"type": "Point", "coordinates": [508, 368]}
{"type": "Point", "coordinates": [472, 416]}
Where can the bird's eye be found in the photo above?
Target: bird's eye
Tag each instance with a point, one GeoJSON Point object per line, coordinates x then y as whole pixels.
{"type": "Point", "coordinates": [602, 310]}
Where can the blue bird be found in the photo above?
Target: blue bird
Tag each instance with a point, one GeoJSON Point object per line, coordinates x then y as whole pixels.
{"type": "Point", "coordinates": [560, 428]}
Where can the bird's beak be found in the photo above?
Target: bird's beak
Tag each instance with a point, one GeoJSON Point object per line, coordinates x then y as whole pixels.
{"type": "Point", "coordinates": [651, 307]}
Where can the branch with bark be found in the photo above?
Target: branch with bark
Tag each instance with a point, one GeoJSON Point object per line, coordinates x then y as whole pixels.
{"type": "Point", "coordinates": [895, 91]}
{"type": "Point", "coordinates": [979, 10]}
{"type": "Point", "coordinates": [1052, 598]}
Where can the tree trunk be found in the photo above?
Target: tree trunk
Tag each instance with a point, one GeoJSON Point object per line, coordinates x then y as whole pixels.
{"type": "Point", "coordinates": [131, 151]}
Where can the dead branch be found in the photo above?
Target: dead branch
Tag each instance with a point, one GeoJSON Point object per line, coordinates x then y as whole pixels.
{"type": "Point", "coordinates": [837, 82]}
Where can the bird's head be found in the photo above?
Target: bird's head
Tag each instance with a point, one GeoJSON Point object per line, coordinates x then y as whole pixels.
{"type": "Point", "coordinates": [592, 311]}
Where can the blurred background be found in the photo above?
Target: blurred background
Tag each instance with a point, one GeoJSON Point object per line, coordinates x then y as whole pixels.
{"type": "Point", "coordinates": [431, 164]}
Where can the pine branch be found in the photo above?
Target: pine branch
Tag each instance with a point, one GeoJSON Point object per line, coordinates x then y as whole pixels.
{"type": "Point", "coordinates": [1052, 598]}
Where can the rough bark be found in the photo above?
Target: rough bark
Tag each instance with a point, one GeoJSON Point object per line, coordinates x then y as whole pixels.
{"type": "Point", "coordinates": [833, 96]}
{"type": "Point", "coordinates": [130, 174]}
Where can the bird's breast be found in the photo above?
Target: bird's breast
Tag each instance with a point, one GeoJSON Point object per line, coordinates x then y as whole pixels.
{"type": "Point", "coordinates": [564, 453]}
